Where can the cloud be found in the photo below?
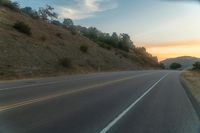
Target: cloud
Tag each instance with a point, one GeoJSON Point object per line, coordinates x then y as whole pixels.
{"type": "Point", "coordinates": [81, 9]}
{"type": "Point", "coordinates": [181, 0]}
{"type": "Point", "coordinates": [174, 29]}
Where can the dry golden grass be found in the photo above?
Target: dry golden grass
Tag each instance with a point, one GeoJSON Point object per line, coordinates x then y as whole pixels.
{"type": "Point", "coordinates": [192, 79]}
{"type": "Point", "coordinates": [39, 54]}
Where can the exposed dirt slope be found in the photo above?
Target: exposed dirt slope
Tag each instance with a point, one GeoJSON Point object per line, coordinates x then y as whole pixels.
{"type": "Point", "coordinates": [41, 53]}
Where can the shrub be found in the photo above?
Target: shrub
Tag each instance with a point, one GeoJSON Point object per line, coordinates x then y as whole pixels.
{"type": "Point", "coordinates": [43, 38]}
{"type": "Point", "coordinates": [65, 62]}
{"type": "Point", "coordinates": [56, 22]}
{"type": "Point", "coordinates": [84, 48]}
{"type": "Point", "coordinates": [175, 66]}
{"type": "Point", "coordinates": [73, 31]}
{"type": "Point", "coordinates": [105, 46]}
{"type": "Point", "coordinates": [59, 35]}
{"type": "Point", "coordinates": [196, 66]}
{"type": "Point", "coordinates": [125, 55]}
{"type": "Point", "coordinates": [22, 27]}
{"type": "Point", "coordinates": [162, 65]}
{"type": "Point", "coordinates": [29, 11]}
{"type": "Point", "coordinates": [123, 47]}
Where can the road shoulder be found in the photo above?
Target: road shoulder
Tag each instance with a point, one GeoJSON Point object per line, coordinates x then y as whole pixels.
{"type": "Point", "coordinates": [191, 82]}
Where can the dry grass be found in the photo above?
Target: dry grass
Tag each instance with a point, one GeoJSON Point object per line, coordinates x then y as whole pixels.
{"type": "Point", "coordinates": [39, 54]}
{"type": "Point", "coordinates": [192, 79]}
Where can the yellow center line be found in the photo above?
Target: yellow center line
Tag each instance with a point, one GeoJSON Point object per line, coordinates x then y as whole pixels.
{"type": "Point", "coordinates": [24, 103]}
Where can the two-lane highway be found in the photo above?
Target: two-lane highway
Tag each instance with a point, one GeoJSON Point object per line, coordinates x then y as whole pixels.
{"type": "Point", "coordinates": [119, 102]}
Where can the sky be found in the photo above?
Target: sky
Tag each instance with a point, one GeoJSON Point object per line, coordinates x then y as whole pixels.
{"type": "Point", "coordinates": [167, 28]}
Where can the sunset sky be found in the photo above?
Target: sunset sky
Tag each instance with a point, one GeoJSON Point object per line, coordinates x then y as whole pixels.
{"type": "Point", "coordinates": [167, 28]}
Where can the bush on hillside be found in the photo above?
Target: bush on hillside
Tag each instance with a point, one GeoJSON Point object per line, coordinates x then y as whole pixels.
{"type": "Point", "coordinates": [196, 66]}
{"type": "Point", "coordinates": [73, 30]}
{"type": "Point", "coordinates": [59, 35]}
{"type": "Point", "coordinates": [22, 27]}
{"type": "Point", "coordinates": [105, 46]}
{"type": "Point", "coordinates": [65, 62]}
{"type": "Point", "coordinates": [123, 47]}
{"type": "Point", "coordinates": [175, 66]}
{"type": "Point", "coordinates": [56, 22]}
{"type": "Point", "coordinates": [32, 13]}
{"type": "Point", "coordinates": [43, 38]}
{"type": "Point", "coordinates": [84, 48]}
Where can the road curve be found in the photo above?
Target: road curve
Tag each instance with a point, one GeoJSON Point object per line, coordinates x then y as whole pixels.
{"type": "Point", "coordinates": [117, 102]}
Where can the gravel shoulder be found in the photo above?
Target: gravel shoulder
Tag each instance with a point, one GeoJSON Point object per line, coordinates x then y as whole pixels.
{"type": "Point", "coordinates": [191, 83]}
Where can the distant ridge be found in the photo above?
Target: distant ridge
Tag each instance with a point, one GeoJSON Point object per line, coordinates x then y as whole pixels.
{"type": "Point", "coordinates": [185, 61]}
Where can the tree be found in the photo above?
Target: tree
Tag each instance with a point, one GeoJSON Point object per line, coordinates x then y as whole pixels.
{"type": "Point", "coordinates": [196, 66]}
{"type": "Point", "coordinates": [175, 66]}
{"type": "Point", "coordinates": [106, 38]}
{"type": "Point", "coordinates": [67, 22]}
{"type": "Point", "coordinates": [93, 33]}
{"type": "Point", "coordinates": [125, 42]}
{"type": "Point", "coordinates": [141, 50]}
{"type": "Point", "coordinates": [162, 65]}
{"type": "Point", "coordinates": [114, 39]}
{"type": "Point", "coordinates": [29, 11]}
{"type": "Point", "coordinates": [47, 13]}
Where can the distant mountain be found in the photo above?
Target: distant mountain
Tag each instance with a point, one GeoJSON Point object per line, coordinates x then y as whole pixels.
{"type": "Point", "coordinates": [185, 61]}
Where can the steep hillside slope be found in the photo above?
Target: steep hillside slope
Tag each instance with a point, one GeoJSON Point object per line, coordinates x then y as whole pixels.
{"type": "Point", "coordinates": [185, 61]}
{"type": "Point", "coordinates": [49, 47]}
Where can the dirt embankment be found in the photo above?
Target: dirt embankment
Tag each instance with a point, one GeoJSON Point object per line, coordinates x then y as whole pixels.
{"type": "Point", "coordinates": [191, 83]}
{"type": "Point", "coordinates": [192, 80]}
{"type": "Point", "coordinates": [53, 50]}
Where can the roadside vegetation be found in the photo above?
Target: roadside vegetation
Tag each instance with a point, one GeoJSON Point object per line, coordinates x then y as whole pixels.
{"type": "Point", "coordinates": [162, 66]}
{"type": "Point", "coordinates": [65, 62]}
{"type": "Point", "coordinates": [22, 27]}
{"type": "Point", "coordinates": [196, 66]}
{"type": "Point", "coordinates": [192, 80]}
{"type": "Point", "coordinates": [120, 41]}
{"type": "Point", "coordinates": [84, 48]}
{"type": "Point", "coordinates": [55, 47]}
{"type": "Point", "coordinates": [12, 5]}
{"type": "Point", "coordinates": [175, 66]}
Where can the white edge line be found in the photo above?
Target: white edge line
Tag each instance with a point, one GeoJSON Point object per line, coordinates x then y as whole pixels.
{"type": "Point", "coordinates": [112, 123]}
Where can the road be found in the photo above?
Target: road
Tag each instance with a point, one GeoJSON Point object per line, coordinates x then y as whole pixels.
{"type": "Point", "coordinates": [151, 101]}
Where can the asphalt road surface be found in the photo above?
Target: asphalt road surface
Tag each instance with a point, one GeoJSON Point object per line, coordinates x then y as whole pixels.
{"type": "Point", "coordinates": [117, 102]}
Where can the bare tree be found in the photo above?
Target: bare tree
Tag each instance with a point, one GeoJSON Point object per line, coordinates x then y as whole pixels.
{"type": "Point", "coordinates": [47, 13]}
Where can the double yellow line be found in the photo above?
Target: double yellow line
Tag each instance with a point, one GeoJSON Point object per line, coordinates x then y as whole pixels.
{"type": "Point", "coordinates": [24, 103]}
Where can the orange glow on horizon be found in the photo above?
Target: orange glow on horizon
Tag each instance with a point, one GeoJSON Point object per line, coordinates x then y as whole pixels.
{"type": "Point", "coordinates": [175, 49]}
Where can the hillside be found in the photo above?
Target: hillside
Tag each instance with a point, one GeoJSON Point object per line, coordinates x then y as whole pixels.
{"type": "Point", "coordinates": [53, 50]}
{"type": "Point", "coordinates": [185, 61]}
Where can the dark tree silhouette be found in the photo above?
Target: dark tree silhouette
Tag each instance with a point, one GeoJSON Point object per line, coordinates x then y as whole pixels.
{"type": "Point", "coordinates": [196, 66]}
{"type": "Point", "coordinates": [175, 66]}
